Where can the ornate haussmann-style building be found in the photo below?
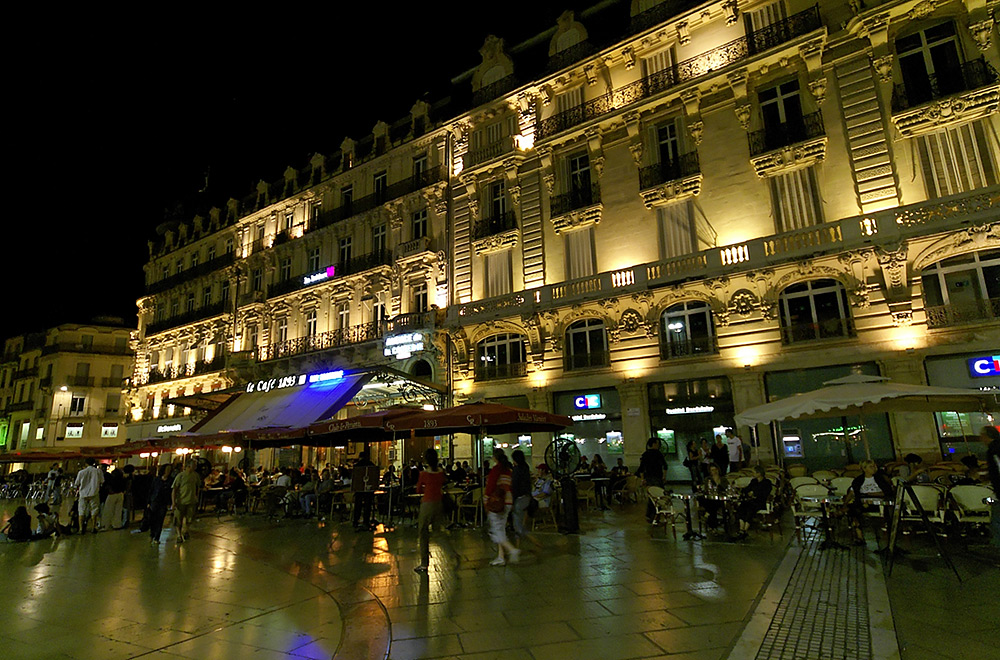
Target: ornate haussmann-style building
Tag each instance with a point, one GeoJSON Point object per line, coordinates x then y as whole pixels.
{"type": "Point", "coordinates": [654, 215]}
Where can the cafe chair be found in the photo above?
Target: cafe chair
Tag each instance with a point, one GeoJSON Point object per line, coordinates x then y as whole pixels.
{"type": "Point", "coordinates": [930, 501]}
{"type": "Point", "coordinates": [802, 510]}
{"type": "Point", "coordinates": [841, 485]}
{"type": "Point", "coordinates": [544, 512]}
{"type": "Point", "coordinates": [795, 482]}
{"type": "Point", "coordinates": [274, 501]}
{"type": "Point", "coordinates": [968, 507]}
{"type": "Point", "coordinates": [586, 493]}
{"type": "Point", "coordinates": [797, 470]}
{"type": "Point", "coordinates": [630, 491]}
{"type": "Point", "coordinates": [742, 482]}
{"type": "Point", "coordinates": [770, 516]}
{"type": "Point", "coordinates": [472, 501]}
{"type": "Point", "coordinates": [665, 508]}
{"type": "Point", "coordinates": [824, 475]}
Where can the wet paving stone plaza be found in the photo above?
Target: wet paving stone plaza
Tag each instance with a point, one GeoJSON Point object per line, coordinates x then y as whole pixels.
{"type": "Point", "coordinates": [248, 587]}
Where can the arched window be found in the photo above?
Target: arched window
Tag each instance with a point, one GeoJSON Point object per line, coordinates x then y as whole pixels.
{"type": "Point", "coordinates": [500, 356]}
{"type": "Point", "coordinates": [586, 345]}
{"type": "Point", "coordinates": [816, 309]}
{"type": "Point", "coordinates": [962, 289]}
{"type": "Point", "coordinates": [686, 329]}
{"type": "Point", "coordinates": [422, 369]}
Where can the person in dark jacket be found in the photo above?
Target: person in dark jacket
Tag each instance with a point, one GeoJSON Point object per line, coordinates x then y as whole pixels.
{"type": "Point", "coordinates": [159, 502]}
{"type": "Point", "coordinates": [991, 436]}
{"type": "Point", "coordinates": [720, 454]}
{"type": "Point", "coordinates": [652, 468]}
{"type": "Point", "coordinates": [520, 490]}
{"type": "Point", "coordinates": [754, 499]}
{"type": "Point", "coordinates": [18, 526]}
{"type": "Point", "coordinates": [872, 483]}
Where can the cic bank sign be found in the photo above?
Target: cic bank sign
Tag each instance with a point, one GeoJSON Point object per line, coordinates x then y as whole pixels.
{"type": "Point", "coordinates": [984, 366]}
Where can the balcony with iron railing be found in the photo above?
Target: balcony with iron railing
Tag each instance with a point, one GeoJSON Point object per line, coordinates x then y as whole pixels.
{"type": "Point", "coordinates": [393, 191]}
{"type": "Point", "coordinates": [410, 321]}
{"type": "Point", "coordinates": [963, 78]}
{"type": "Point", "coordinates": [577, 198]}
{"type": "Point", "coordinates": [944, 316]}
{"type": "Point", "coordinates": [204, 268]}
{"type": "Point", "coordinates": [498, 371]}
{"type": "Point", "coordinates": [669, 170]}
{"type": "Point", "coordinates": [489, 152]}
{"type": "Point", "coordinates": [659, 13]}
{"type": "Point", "coordinates": [185, 370]}
{"type": "Point", "coordinates": [90, 349]}
{"type": "Point", "coordinates": [80, 381]}
{"type": "Point", "coordinates": [19, 406]}
{"type": "Point", "coordinates": [497, 224]}
{"type": "Point", "coordinates": [568, 56]}
{"type": "Point", "coordinates": [493, 90]}
{"type": "Point", "coordinates": [829, 329]}
{"type": "Point", "coordinates": [706, 63]}
{"type": "Point", "coordinates": [30, 372]}
{"type": "Point", "coordinates": [198, 314]}
{"type": "Point", "coordinates": [681, 348]}
{"type": "Point", "coordinates": [590, 360]}
{"type": "Point", "coordinates": [791, 132]}
{"type": "Point", "coordinates": [354, 334]}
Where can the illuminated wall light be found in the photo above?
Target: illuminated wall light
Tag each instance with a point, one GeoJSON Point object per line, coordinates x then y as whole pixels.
{"type": "Point", "coordinates": [226, 449]}
{"type": "Point", "coordinates": [905, 338]}
{"type": "Point", "coordinates": [237, 449]}
{"type": "Point", "coordinates": [429, 407]}
{"type": "Point", "coordinates": [747, 356]}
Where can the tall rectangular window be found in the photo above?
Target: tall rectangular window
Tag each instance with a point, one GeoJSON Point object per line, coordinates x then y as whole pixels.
{"type": "Point", "coordinates": [206, 296]}
{"type": "Point", "coordinates": [955, 160]}
{"type": "Point", "coordinates": [344, 315]}
{"type": "Point", "coordinates": [497, 198]}
{"type": "Point", "coordinates": [418, 224]}
{"type": "Point", "coordinates": [347, 196]}
{"type": "Point", "coordinates": [579, 174]}
{"type": "Point", "coordinates": [579, 253]}
{"type": "Point", "coordinates": [189, 303]}
{"type": "Point", "coordinates": [281, 333]}
{"type": "Point", "coordinates": [419, 165]}
{"type": "Point", "coordinates": [676, 229]}
{"type": "Point", "coordinates": [930, 63]}
{"type": "Point", "coordinates": [314, 260]}
{"type": "Point", "coordinates": [257, 279]}
{"type": "Point", "coordinates": [498, 273]}
{"type": "Point", "coordinates": [311, 323]}
{"type": "Point", "coordinates": [378, 308]}
{"type": "Point", "coordinates": [378, 239]}
{"type": "Point", "coordinates": [211, 253]}
{"type": "Point", "coordinates": [251, 342]}
{"type": "Point", "coordinates": [420, 297]}
{"type": "Point", "coordinates": [781, 111]}
{"type": "Point", "coordinates": [77, 405]}
{"type": "Point", "coordinates": [758, 19]}
{"type": "Point", "coordinates": [569, 100]}
{"type": "Point", "coordinates": [229, 246]}
{"type": "Point", "coordinates": [285, 270]}
{"type": "Point", "coordinates": [224, 292]}
{"type": "Point", "coordinates": [668, 142]}
{"type": "Point", "coordinates": [795, 200]}
{"type": "Point", "coordinates": [345, 250]}
{"type": "Point", "coordinates": [379, 183]}
{"type": "Point", "coordinates": [194, 259]}
{"type": "Point", "coordinates": [653, 64]}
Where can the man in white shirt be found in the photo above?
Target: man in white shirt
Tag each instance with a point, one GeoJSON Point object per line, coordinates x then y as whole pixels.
{"type": "Point", "coordinates": [735, 450]}
{"type": "Point", "coordinates": [284, 480]}
{"type": "Point", "coordinates": [88, 485]}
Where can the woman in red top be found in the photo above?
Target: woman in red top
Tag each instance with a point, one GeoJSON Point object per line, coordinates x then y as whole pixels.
{"type": "Point", "coordinates": [430, 483]}
{"type": "Point", "coordinates": [498, 491]}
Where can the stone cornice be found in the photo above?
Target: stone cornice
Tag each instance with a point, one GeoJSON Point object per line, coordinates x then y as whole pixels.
{"type": "Point", "coordinates": [672, 191]}
{"type": "Point", "coordinates": [585, 217]}
{"type": "Point", "coordinates": [787, 159]}
{"type": "Point", "coordinates": [496, 242]}
{"type": "Point", "coordinates": [951, 111]}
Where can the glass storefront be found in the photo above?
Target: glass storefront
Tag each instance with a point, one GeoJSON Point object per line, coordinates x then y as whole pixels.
{"type": "Point", "coordinates": [509, 441]}
{"type": "Point", "coordinates": [828, 442]}
{"type": "Point", "coordinates": [597, 422]}
{"type": "Point", "coordinates": [959, 432]}
{"type": "Point", "coordinates": [681, 411]}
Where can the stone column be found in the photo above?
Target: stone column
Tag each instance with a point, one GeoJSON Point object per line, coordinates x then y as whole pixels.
{"type": "Point", "coordinates": [539, 398]}
{"type": "Point", "coordinates": [912, 432]}
{"type": "Point", "coordinates": [635, 420]}
{"type": "Point", "coordinates": [748, 391]}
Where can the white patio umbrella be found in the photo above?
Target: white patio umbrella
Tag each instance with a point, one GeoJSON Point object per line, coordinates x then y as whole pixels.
{"type": "Point", "coordinates": [863, 395]}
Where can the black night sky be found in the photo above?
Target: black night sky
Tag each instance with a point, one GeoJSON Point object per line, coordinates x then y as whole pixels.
{"type": "Point", "coordinates": [119, 118]}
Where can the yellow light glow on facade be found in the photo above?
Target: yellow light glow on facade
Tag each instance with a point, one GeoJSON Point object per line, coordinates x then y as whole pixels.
{"type": "Point", "coordinates": [906, 338]}
{"type": "Point", "coordinates": [538, 379]}
{"type": "Point", "coordinates": [747, 356]}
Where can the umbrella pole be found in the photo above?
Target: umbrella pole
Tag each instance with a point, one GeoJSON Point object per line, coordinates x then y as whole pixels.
{"type": "Point", "coordinates": [864, 438]}
{"type": "Point", "coordinates": [847, 440]}
{"type": "Point", "coordinates": [961, 429]}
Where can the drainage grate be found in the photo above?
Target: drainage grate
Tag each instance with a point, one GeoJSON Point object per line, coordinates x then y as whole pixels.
{"type": "Point", "coordinates": [823, 613]}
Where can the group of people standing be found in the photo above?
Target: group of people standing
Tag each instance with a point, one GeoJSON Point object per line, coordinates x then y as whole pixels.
{"type": "Point", "coordinates": [728, 453]}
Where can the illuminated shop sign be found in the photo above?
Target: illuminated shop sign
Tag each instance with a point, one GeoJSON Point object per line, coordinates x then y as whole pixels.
{"type": "Point", "coordinates": [168, 428]}
{"type": "Point", "coordinates": [690, 410]}
{"type": "Point", "coordinates": [588, 417]}
{"type": "Point", "coordinates": [320, 276]}
{"type": "Point", "coordinates": [327, 377]}
{"type": "Point", "coordinates": [587, 401]}
{"type": "Point", "coordinates": [109, 431]}
{"type": "Point", "coordinates": [294, 380]}
{"type": "Point", "coordinates": [984, 366]}
{"type": "Point", "coordinates": [403, 346]}
{"type": "Point", "coordinates": [74, 430]}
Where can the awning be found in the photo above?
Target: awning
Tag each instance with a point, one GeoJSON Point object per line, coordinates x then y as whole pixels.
{"type": "Point", "coordinates": [281, 412]}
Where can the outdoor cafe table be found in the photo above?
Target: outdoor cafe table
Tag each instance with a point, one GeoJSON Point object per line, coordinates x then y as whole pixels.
{"type": "Point", "coordinates": [600, 491]}
{"type": "Point", "coordinates": [824, 503]}
{"type": "Point", "coordinates": [686, 498]}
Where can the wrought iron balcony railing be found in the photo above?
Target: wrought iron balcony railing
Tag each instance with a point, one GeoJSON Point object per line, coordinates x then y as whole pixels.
{"type": "Point", "coordinates": [489, 152]}
{"type": "Point", "coordinates": [675, 348]}
{"type": "Point", "coordinates": [187, 317]}
{"type": "Point", "coordinates": [768, 139]}
{"type": "Point", "coordinates": [354, 334]}
{"type": "Point", "coordinates": [89, 349]}
{"type": "Point", "coordinates": [669, 170]}
{"type": "Point", "coordinates": [706, 63]}
{"type": "Point", "coordinates": [352, 266]}
{"type": "Point", "coordinates": [185, 370]}
{"type": "Point", "coordinates": [494, 371]}
{"type": "Point", "coordinates": [80, 381]}
{"type": "Point", "coordinates": [943, 316]}
{"type": "Point", "coordinates": [493, 90]}
{"type": "Point", "coordinates": [570, 55]}
{"type": "Point", "coordinates": [660, 13]}
{"type": "Point", "coordinates": [30, 372]}
{"type": "Point", "coordinates": [829, 329]}
{"type": "Point", "coordinates": [209, 266]}
{"type": "Point", "coordinates": [494, 225]}
{"type": "Point", "coordinates": [963, 78]}
{"type": "Point", "coordinates": [577, 198]}
{"type": "Point", "coordinates": [586, 360]}
{"type": "Point", "coordinates": [360, 205]}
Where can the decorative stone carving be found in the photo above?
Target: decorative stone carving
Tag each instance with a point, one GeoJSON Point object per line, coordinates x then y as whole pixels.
{"type": "Point", "coordinates": [730, 10]}
{"type": "Point", "coordinates": [818, 89]}
{"type": "Point", "coordinates": [578, 218]}
{"type": "Point", "coordinates": [496, 242]}
{"type": "Point", "coordinates": [790, 158]}
{"type": "Point", "coordinates": [883, 68]}
{"type": "Point", "coordinates": [672, 191]}
{"type": "Point", "coordinates": [597, 162]}
{"type": "Point", "coordinates": [982, 33]}
{"type": "Point", "coordinates": [811, 53]}
{"type": "Point", "coordinates": [743, 302]}
{"type": "Point", "coordinates": [635, 148]}
{"type": "Point", "coordinates": [630, 321]}
{"type": "Point", "coordinates": [743, 113]}
{"type": "Point", "coordinates": [957, 109]}
{"type": "Point", "coordinates": [629, 56]}
{"type": "Point", "coordinates": [494, 58]}
{"type": "Point", "coordinates": [876, 29]}
{"type": "Point", "coordinates": [550, 181]}
{"type": "Point", "coordinates": [683, 34]}
{"type": "Point", "coordinates": [696, 129]}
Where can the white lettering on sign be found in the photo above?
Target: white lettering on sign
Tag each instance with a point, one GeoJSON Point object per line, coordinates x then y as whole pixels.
{"type": "Point", "coordinates": [326, 377]}
{"type": "Point", "coordinates": [276, 383]}
{"type": "Point", "coordinates": [589, 417]}
{"type": "Point", "coordinates": [689, 410]}
{"type": "Point", "coordinates": [403, 346]}
{"type": "Point", "coordinates": [168, 428]}
{"type": "Point", "coordinates": [320, 276]}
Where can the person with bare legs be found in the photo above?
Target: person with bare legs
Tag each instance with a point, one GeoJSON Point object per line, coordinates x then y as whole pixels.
{"type": "Point", "coordinates": [499, 503]}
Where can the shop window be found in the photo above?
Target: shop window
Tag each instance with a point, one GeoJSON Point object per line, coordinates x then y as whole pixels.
{"type": "Point", "coordinates": [500, 356]}
{"type": "Point", "coordinates": [586, 345]}
{"type": "Point", "coordinates": [962, 289]}
{"type": "Point", "coordinates": [686, 329]}
{"type": "Point", "coordinates": [816, 309]}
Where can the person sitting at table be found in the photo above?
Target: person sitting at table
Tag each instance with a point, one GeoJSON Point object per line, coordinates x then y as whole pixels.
{"type": "Point", "coordinates": [715, 485]}
{"type": "Point", "coordinates": [213, 479]}
{"type": "Point", "coordinates": [872, 483]}
{"type": "Point", "coordinates": [307, 492]}
{"type": "Point", "coordinates": [914, 471]}
{"type": "Point", "coordinates": [542, 489]}
{"type": "Point", "coordinates": [599, 471]}
{"type": "Point", "coordinates": [390, 478]}
{"type": "Point", "coordinates": [284, 479]}
{"type": "Point", "coordinates": [584, 466]}
{"type": "Point", "coordinates": [324, 492]}
{"type": "Point", "coordinates": [971, 476]}
{"type": "Point", "coordinates": [236, 486]}
{"type": "Point", "coordinates": [457, 474]}
{"type": "Point", "coordinates": [754, 498]}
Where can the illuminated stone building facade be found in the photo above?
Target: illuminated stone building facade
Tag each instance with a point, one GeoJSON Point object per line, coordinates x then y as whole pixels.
{"type": "Point", "coordinates": [655, 214]}
{"type": "Point", "coordinates": [63, 387]}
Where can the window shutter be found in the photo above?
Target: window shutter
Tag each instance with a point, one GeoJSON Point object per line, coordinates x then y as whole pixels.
{"type": "Point", "coordinates": [796, 199]}
{"type": "Point", "coordinates": [676, 231]}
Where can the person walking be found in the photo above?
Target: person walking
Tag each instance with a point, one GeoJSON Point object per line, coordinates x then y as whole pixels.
{"type": "Point", "coordinates": [111, 514]}
{"type": "Point", "coordinates": [652, 468]}
{"type": "Point", "coordinates": [499, 503]}
{"type": "Point", "coordinates": [991, 437]}
{"type": "Point", "coordinates": [88, 485]}
{"type": "Point", "coordinates": [430, 483]}
{"type": "Point", "coordinates": [159, 502]}
{"type": "Point", "coordinates": [184, 495]}
{"type": "Point", "coordinates": [520, 487]}
{"type": "Point", "coordinates": [720, 454]}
